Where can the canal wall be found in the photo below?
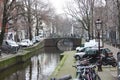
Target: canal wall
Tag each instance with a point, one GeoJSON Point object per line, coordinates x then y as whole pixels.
{"type": "Point", "coordinates": [20, 57]}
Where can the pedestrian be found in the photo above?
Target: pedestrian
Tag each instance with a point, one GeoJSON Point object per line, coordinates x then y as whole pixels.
{"type": "Point", "coordinates": [99, 62]}
{"type": "Point", "coordinates": [99, 65]}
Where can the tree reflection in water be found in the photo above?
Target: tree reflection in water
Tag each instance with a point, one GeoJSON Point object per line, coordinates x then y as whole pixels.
{"type": "Point", "coordinates": [39, 68]}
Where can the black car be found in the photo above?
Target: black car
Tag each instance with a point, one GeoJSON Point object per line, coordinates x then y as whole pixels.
{"type": "Point", "coordinates": [103, 51]}
{"type": "Point", "coordinates": [105, 54]}
{"type": "Point", "coordinates": [9, 46]}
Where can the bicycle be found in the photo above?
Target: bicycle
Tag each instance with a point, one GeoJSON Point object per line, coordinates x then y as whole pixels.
{"type": "Point", "coordinates": [85, 70]}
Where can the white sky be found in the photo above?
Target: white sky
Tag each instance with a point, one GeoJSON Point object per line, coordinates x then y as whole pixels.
{"type": "Point", "coordinates": [58, 4]}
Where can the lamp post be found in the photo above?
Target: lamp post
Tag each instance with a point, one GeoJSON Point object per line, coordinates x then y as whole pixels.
{"type": "Point", "coordinates": [98, 24]}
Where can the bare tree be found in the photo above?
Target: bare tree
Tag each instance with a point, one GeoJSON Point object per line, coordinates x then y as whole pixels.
{"type": "Point", "coordinates": [83, 12]}
{"type": "Point", "coordinates": [28, 10]}
{"type": "Point", "coordinates": [118, 9]}
{"type": "Point", "coordinates": [42, 11]}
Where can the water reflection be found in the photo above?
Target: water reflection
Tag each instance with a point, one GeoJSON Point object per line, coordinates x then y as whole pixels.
{"type": "Point", "coordinates": [39, 68]}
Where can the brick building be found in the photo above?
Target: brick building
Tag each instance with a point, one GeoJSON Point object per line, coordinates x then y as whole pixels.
{"type": "Point", "coordinates": [112, 21]}
{"type": "Point", "coordinates": [13, 26]}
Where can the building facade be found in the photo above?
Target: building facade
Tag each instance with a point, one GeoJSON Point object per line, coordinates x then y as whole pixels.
{"type": "Point", "coordinates": [112, 21]}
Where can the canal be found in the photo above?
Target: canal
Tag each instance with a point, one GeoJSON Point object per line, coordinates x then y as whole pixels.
{"type": "Point", "coordinates": [39, 67]}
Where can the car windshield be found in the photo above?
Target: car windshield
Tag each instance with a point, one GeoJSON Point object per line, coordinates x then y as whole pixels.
{"type": "Point", "coordinates": [107, 50]}
{"type": "Point", "coordinates": [95, 51]}
{"type": "Point", "coordinates": [91, 51]}
{"type": "Point", "coordinates": [83, 49]}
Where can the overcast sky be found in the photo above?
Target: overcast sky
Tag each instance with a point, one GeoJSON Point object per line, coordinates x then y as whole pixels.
{"type": "Point", "coordinates": [59, 5]}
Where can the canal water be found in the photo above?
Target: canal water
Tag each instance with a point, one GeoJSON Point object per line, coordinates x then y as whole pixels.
{"type": "Point", "coordinates": [39, 67]}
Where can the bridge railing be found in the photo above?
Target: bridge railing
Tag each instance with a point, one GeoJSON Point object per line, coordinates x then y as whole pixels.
{"type": "Point", "coordinates": [65, 36]}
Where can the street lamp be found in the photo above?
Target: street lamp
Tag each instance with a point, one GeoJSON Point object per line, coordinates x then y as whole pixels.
{"type": "Point", "coordinates": [98, 25]}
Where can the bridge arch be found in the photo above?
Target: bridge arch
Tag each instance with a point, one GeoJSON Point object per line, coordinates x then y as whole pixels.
{"type": "Point", "coordinates": [65, 44]}
{"type": "Point", "coordinates": [59, 43]}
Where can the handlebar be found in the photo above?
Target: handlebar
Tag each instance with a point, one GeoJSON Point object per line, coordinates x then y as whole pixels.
{"type": "Point", "coordinates": [84, 61]}
{"type": "Point", "coordinates": [85, 67]}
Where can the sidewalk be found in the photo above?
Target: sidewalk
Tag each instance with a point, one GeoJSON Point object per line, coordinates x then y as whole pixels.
{"type": "Point", "coordinates": [108, 73]}
{"type": "Point", "coordinates": [65, 68]}
{"type": "Point", "coordinates": [115, 50]}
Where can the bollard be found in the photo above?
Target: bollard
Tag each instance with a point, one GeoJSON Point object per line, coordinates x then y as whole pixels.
{"type": "Point", "coordinates": [0, 52]}
{"type": "Point", "coordinates": [118, 65]}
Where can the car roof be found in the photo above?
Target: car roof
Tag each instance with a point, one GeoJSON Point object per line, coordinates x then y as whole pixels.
{"type": "Point", "coordinates": [97, 48]}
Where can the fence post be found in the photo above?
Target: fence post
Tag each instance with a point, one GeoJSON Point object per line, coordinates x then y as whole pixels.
{"type": "Point", "coordinates": [118, 66]}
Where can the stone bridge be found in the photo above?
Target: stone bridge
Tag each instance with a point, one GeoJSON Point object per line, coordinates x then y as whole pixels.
{"type": "Point", "coordinates": [62, 43]}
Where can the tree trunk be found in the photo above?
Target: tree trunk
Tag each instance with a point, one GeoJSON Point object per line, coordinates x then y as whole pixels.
{"type": "Point", "coordinates": [37, 33]}
{"type": "Point", "coordinates": [118, 6]}
{"type": "Point", "coordinates": [89, 32]}
{"type": "Point", "coordinates": [3, 30]}
{"type": "Point", "coordinates": [4, 22]}
{"type": "Point", "coordinates": [92, 9]}
{"type": "Point", "coordinates": [29, 19]}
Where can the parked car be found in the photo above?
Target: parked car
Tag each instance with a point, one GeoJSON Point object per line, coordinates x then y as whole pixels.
{"type": "Point", "coordinates": [88, 51]}
{"type": "Point", "coordinates": [28, 41]}
{"type": "Point", "coordinates": [36, 39]}
{"type": "Point", "coordinates": [9, 46]}
{"type": "Point", "coordinates": [93, 53]}
{"type": "Point", "coordinates": [25, 43]}
{"type": "Point", "coordinates": [79, 54]}
{"type": "Point", "coordinates": [91, 43]}
{"type": "Point", "coordinates": [103, 51]}
{"type": "Point", "coordinates": [86, 44]}
{"type": "Point", "coordinates": [78, 49]}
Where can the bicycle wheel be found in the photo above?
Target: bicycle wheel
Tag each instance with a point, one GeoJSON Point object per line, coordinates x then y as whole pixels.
{"type": "Point", "coordinates": [80, 77]}
{"type": "Point", "coordinates": [97, 77]}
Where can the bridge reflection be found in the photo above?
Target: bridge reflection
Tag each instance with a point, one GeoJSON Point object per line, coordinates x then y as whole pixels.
{"type": "Point", "coordinates": [65, 45]}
